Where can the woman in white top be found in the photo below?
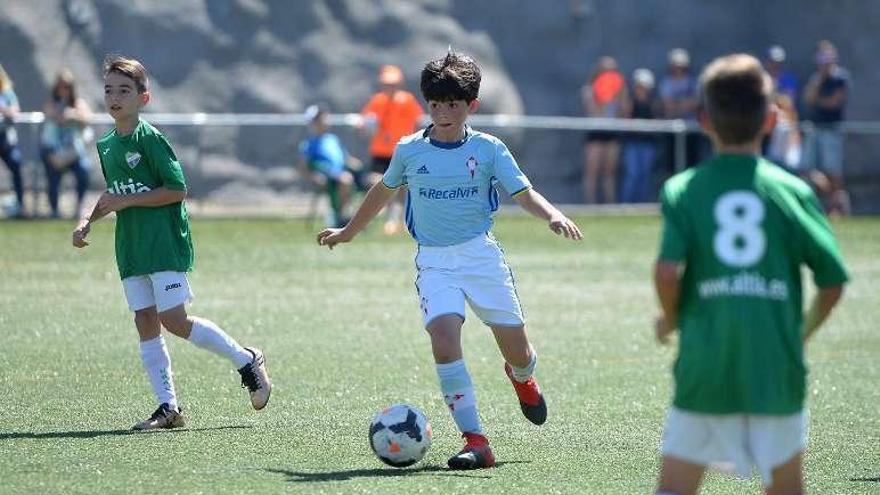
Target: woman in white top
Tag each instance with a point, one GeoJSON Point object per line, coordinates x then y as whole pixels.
{"type": "Point", "coordinates": [784, 147]}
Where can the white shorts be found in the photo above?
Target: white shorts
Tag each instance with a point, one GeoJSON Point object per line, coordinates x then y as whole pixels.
{"type": "Point", "coordinates": [735, 443]}
{"type": "Point", "coordinates": [475, 271]}
{"type": "Point", "coordinates": [165, 290]}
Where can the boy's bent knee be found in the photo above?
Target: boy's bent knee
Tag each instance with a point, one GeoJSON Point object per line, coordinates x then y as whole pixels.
{"type": "Point", "coordinates": [147, 323]}
{"type": "Point", "coordinates": [146, 316]}
{"type": "Point", "coordinates": [176, 321]}
{"type": "Point", "coordinates": [445, 332]}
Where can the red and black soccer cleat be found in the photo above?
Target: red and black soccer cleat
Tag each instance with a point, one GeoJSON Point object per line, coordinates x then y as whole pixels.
{"type": "Point", "coordinates": [476, 454]}
{"type": "Point", "coordinates": [531, 400]}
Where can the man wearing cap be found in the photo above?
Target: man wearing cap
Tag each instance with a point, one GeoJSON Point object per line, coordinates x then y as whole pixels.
{"type": "Point", "coordinates": [391, 114]}
{"type": "Point", "coordinates": [639, 148]}
{"type": "Point", "coordinates": [784, 81]}
{"type": "Point", "coordinates": [825, 99]}
{"type": "Point", "coordinates": [678, 93]}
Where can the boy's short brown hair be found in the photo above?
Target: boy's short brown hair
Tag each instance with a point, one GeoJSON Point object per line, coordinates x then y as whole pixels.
{"type": "Point", "coordinates": [128, 67]}
{"type": "Point", "coordinates": [735, 93]}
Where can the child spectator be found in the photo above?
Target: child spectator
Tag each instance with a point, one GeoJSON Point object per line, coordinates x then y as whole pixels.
{"type": "Point", "coordinates": [328, 166]}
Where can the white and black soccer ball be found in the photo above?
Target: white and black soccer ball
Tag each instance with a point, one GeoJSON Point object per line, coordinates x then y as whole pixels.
{"type": "Point", "coordinates": [400, 435]}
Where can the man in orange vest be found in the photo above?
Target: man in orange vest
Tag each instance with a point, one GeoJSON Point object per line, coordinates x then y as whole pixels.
{"type": "Point", "coordinates": [391, 114]}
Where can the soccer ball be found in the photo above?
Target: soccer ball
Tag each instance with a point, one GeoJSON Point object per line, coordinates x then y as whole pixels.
{"type": "Point", "coordinates": [400, 435]}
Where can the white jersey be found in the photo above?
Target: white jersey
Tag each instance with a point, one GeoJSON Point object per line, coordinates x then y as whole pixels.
{"type": "Point", "coordinates": [452, 195]}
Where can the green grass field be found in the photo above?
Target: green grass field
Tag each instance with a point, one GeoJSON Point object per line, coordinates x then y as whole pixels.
{"type": "Point", "coordinates": [343, 338]}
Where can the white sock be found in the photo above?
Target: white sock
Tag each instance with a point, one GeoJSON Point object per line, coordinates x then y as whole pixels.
{"type": "Point", "coordinates": [207, 335]}
{"type": "Point", "coordinates": [458, 392]}
{"type": "Point", "coordinates": [522, 374]}
{"type": "Point", "coordinates": [157, 363]}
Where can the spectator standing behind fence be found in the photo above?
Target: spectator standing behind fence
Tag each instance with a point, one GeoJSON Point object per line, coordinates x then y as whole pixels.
{"type": "Point", "coordinates": [390, 114]}
{"type": "Point", "coordinates": [9, 152]}
{"type": "Point", "coordinates": [678, 93]}
{"type": "Point", "coordinates": [63, 140]}
{"type": "Point", "coordinates": [640, 148]}
{"type": "Point", "coordinates": [784, 146]}
{"type": "Point", "coordinates": [825, 100]}
{"type": "Point", "coordinates": [784, 81]}
{"type": "Point", "coordinates": [604, 96]}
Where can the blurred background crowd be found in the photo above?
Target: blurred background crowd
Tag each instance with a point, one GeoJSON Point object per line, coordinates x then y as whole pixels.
{"type": "Point", "coordinates": [343, 123]}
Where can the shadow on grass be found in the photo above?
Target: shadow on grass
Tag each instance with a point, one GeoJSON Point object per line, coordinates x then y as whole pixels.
{"type": "Point", "coordinates": [350, 474]}
{"type": "Point", "coordinates": [34, 435]}
{"type": "Point", "coordinates": [875, 479]}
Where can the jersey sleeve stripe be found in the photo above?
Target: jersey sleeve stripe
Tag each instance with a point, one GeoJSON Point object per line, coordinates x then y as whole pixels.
{"type": "Point", "coordinates": [520, 191]}
{"type": "Point", "coordinates": [389, 186]}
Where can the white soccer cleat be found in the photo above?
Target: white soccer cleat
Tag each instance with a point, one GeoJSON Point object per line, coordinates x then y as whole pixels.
{"type": "Point", "coordinates": [255, 378]}
{"type": "Point", "coordinates": [163, 418]}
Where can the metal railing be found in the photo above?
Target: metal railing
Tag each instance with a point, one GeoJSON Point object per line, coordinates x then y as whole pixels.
{"type": "Point", "coordinates": [677, 127]}
{"type": "Point", "coordinates": [196, 124]}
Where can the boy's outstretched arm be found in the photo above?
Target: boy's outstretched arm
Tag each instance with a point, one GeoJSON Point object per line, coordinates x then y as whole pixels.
{"type": "Point", "coordinates": [84, 227]}
{"type": "Point", "coordinates": [109, 202]}
{"type": "Point", "coordinates": [667, 283]}
{"type": "Point", "coordinates": [376, 199]}
{"type": "Point", "coordinates": [821, 307]}
{"type": "Point", "coordinates": [532, 201]}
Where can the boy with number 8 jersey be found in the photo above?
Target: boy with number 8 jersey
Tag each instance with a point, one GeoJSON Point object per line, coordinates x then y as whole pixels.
{"type": "Point", "coordinates": [736, 231]}
{"type": "Point", "coordinates": [146, 189]}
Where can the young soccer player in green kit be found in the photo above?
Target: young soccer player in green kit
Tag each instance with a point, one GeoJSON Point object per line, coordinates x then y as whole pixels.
{"type": "Point", "coordinates": [146, 189]}
{"type": "Point", "coordinates": [736, 231]}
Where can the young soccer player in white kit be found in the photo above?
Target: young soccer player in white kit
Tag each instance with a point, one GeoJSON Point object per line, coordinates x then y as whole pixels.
{"type": "Point", "coordinates": [146, 189]}
{"type": "Point", "coordinates": [451, 172]}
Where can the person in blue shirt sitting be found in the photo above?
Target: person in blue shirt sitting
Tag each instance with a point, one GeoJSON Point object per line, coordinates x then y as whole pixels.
{"type": "Point", "coordinates": [327, 165]}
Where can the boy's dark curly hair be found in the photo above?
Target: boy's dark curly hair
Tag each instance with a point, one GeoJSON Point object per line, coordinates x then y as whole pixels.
{"type": "Point", "coordinates": [453, 77]}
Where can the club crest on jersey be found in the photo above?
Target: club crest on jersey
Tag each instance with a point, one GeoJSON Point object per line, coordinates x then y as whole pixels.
{"type": "Point", "coordinates": [472, 166]}
{"type": "Point", "coordinates": [132, 159]}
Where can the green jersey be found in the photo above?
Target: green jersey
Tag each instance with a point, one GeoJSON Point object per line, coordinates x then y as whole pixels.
{"type": "Point", "coordinates": [743, 228]}
{"type": "Point", "coordinates": [148, 239]}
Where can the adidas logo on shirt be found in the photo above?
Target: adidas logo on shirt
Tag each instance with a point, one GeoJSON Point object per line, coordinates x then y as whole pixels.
{"type": "Point", "coordinates": [423, 170]}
